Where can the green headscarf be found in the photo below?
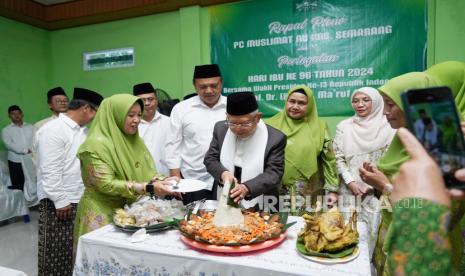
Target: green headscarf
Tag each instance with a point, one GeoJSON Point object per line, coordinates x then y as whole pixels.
{"type": "Point", "coordinates": [451, 74]}
{"type": "Point", "coordinates": [305, 138]}
{"type": "Point", "coordinates": [126, 154]}
{"type": "Point", "coordinates": [395, 155]}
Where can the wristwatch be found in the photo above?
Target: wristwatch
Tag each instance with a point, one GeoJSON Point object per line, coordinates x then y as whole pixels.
{"type": "Point", "coordinates": [149, 188]}
{"type": "Point", "coordinates": [388, 187]}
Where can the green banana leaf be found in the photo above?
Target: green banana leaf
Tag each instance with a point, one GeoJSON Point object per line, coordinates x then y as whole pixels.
{"type": "Point", "coordinates": [230, 201]}
{"type": "Point", "coordinates": [300, 244]}
{"type": "Point", "coordinates": [164, 224]}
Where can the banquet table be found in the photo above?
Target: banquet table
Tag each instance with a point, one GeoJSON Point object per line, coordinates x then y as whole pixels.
{"type": "Point", "coordinates": [107, 251]}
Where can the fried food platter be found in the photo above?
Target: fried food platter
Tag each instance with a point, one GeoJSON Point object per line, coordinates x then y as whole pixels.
{"type": "Point", "coordinates": [326, 239]}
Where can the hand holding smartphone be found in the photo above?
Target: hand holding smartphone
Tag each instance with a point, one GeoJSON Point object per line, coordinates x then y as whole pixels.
{"type": "Point", "coordinates": [432, 117]}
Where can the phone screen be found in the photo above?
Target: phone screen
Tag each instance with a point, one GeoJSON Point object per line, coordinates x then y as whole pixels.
{"type": "Point", "coordinates": [432, 116]}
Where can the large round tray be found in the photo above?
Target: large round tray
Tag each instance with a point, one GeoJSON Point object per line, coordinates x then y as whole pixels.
{"type": "Point", "coordinates": [268, 244]}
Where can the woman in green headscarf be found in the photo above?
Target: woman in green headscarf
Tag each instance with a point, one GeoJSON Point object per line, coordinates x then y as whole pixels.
{"type": "Point", "coordinates": [389, 164]}
{"type": "Point", "coordinates": [116, 166]}
{"type": "Point", "coordinates": [310, 164]}
{"type": "Point", "coordinates": [451, 74]}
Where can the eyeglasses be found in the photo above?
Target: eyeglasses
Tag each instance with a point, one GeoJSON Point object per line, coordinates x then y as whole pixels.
{"type": "Point", "coordinates": [237, 125]}
{"type": "Point", "coordinates": [61, 101]}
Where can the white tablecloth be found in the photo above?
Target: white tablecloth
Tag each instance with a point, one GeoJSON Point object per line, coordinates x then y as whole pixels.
{"type": "Point", "coordinates": [107, 251]}
{"type": "Point", "coordinates": [5, 271]}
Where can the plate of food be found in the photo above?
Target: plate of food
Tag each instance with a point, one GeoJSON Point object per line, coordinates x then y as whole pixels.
{"type": "Point", "coordinates": [152, 214]}
{"type": "Point", "coordinates": [260, 230]}
{"type": "Point", "coordinates": [227, 228]}
{"type": "Point", "coordinates": [325, 238]}
{"type": "Point", "coordinates": [268, 244]}
{"type": "Point", "coordinates": [188, 185]}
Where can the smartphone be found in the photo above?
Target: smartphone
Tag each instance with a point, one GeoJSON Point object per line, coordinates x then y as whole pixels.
{"type": "Point", "coordinates": [432, 116]}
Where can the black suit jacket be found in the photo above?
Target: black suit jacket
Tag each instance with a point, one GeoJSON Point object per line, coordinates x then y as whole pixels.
{"type": "Point", "coordinates": [266, 183]}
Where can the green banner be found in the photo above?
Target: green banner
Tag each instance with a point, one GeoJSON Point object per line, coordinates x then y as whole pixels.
{"type": "Point", "coordinates": [332, 46]}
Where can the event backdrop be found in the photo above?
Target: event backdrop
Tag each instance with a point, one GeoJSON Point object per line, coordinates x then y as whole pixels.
{"type": "Point", "coordinates": [333, 46]}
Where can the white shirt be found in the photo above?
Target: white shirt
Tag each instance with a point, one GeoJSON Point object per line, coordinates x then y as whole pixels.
{"type": "Point", "coordinates": [58, 169]}
{"type": "Point", "coordinates": [42, 122]}
{"type": "Point", "coordinates": [154, 134]}
{"type": "Point", "coordinates": [18, 140]}
{"type": "Point", "coordinates": [419, 128]}
{"type": "Point", "coordinates": [37, 126]}
{"type": "Point", "coordinates": [191, 132]}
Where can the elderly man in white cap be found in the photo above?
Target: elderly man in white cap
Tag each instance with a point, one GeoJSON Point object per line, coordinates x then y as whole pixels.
{"type": "Point", "coordinates": [246, 151]}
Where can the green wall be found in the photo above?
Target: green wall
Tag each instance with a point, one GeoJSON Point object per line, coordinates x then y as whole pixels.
{"type": "Point", "coordinates": [446, 31]}
{"type": "Point", "coordinates": [167, 47]}
{"type": "Point", "coordinates": [156, 40]}
{"type": "Point", "coordinates": [24, 69]}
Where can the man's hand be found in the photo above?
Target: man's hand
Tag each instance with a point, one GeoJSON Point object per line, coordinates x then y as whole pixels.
{"type": "Point", "coordinates": [64, 213]}
{"type": "Point", "coordinates": [239, 192]}
{"type": "Point", "coordinates": [420, 176]}
{"type": "Point", "coordinates": [227, 176]}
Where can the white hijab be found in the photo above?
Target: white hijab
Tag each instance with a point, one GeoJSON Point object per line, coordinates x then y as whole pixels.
{"type": "Point", "coordinates": [366, 134]}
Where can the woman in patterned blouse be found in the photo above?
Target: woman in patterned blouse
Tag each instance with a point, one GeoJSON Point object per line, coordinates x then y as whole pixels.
{"type": "Point", "coordinates": [362, 137]}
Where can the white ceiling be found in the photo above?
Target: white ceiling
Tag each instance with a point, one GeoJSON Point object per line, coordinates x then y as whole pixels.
{"type": "Point", "coordinates": [51, 2]}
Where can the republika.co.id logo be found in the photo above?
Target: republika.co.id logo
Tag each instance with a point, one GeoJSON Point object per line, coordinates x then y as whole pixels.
{"type": "Point", "coordinates": [306, 5]}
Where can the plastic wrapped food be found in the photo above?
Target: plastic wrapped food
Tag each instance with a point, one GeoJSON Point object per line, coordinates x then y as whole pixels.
{"type": "Point", "coordinates": [146, 212]}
